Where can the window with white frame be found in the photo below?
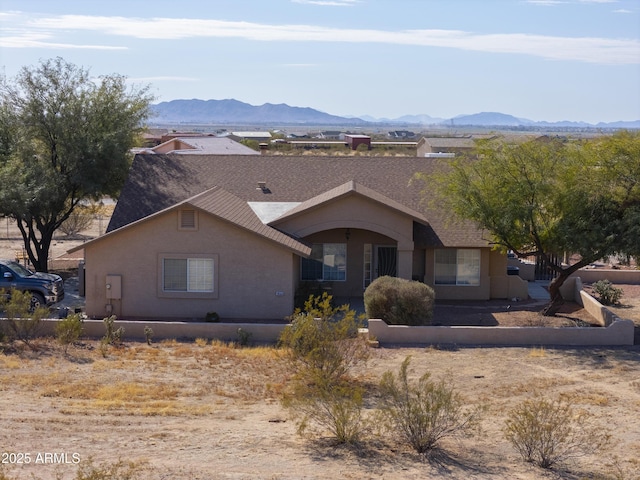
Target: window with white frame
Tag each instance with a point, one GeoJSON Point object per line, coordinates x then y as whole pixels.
{"type": "Point", "coordinates": [188, 275]}
{"type": "Point", "coordinates": [457, 266]}
{"type": "Point", "coordinates": [328, 262]}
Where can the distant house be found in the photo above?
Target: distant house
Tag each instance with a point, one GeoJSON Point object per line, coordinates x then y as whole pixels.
{"type": "Point", "coordinates": [207, 145]}
{"type": "Point", "coordinates": [243, 235]}
{"type": "Point", "coordinates": [354, 141]}
{"type": "Point", "coordinates": [437, 146]}
{"type": "Point", "coordinates": [256, 136]}
{"type": "Point", "coordinates": [451, 146]}
{"type": "Point", "coordinates": [401, 134]}
{"type": "Point", "coordinates": [331, 135]}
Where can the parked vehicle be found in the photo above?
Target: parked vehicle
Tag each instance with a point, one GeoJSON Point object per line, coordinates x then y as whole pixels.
{"type": "Point", "coordinates": [45, 288]}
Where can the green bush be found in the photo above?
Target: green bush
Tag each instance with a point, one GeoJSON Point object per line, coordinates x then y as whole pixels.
{"type": "Point", "coordinates": [23, 321]}
{"type": "Point", "coordinates": [546, 432]}
{"type": "Point", "coordinates": [112, 335]}
{"type": "Point", "coordinates": [323, 346]}
{"type": "Point", "coordinates": [323, 341]}
{"type": "Point", "coordinates": [607, 293]}
{"type": "Point", "coordinates": [335, 407]}
{"type": "Point", "coordinates": [399, 302]}
{"type": "Point", "coordinates": [68, 330]}
{"type": "Point", "coordinates": [423, 413]}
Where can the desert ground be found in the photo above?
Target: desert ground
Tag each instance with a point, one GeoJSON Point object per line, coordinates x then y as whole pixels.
{"type": "Point", "coordinates": [203, 410]}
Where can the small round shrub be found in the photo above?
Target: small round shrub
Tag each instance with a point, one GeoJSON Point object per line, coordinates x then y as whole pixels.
{"type": "Point", "coordinates": [399, 302]}
{"type": "Point", "coordinates": [607, 293]}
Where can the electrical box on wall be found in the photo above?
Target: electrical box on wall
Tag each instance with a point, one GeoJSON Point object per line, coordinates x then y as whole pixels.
{"type": "Point", "coordinates": [114, 287]}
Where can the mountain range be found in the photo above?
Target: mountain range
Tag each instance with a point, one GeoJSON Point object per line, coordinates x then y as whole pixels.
{"type": "Point", "coordinates": [232, 111]}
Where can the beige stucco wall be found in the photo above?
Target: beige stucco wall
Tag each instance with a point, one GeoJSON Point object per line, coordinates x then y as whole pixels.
{"type": "Point", "coordinates": [354, 212]}
{"type": "Point", "coordinates": [494, 281]}
{"type": "Point", "coordinates": [591, 275]}
{"type": "Point", "coordinates": [368, 222]}
{"type": "Point", "coordinates": [254, 276]}
{"type": "Point", "coordinates": [618, 333]}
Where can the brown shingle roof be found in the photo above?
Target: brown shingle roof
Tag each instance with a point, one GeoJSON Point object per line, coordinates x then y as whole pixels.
{"type": "Point", "coordinates": [222, 204]}
{"type": "Point", "coordinates": [157, 182]}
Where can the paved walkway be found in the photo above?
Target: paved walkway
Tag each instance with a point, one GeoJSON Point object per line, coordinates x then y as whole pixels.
{"type": "Point", "coordinates": [537, 290]}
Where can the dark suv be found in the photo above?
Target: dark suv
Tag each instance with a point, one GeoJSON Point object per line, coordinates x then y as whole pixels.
{"type": "Point", "coordinates": [45, 288]}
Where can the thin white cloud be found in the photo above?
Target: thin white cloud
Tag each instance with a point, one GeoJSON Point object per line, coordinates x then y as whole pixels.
{"type": "Point", "coordinates": [14, 33]}
{"type": "Point", "coordinates": [38, 40]}
{"type": "Point", "coordinates": [328, 3]}
{"type": "Point", "coordinates": [622, 10]}
{"type": "Point", "coordinates": [584, 49]}
{"type": "Point", "coordinates": [598, 1]}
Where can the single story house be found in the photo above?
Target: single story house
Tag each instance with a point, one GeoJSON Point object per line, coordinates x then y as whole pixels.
{"type": "Point", "coordinates": [202, 145]}
{"type": "Point", "coordinates": [243, 235]}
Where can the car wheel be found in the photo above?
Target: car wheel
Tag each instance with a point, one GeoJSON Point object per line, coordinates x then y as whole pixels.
{"type": "Point", "coordinates": [37, 301]}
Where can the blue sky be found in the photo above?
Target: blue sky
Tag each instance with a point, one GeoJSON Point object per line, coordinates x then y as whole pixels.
{"type": "Point", "coordinates": [548, 60]}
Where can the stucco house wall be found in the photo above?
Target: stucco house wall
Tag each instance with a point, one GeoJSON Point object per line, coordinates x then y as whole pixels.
{"type": "Point", "coordinates": [241, 290]}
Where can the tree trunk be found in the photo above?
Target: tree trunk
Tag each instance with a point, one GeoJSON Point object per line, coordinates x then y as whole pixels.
{"type": "Point", "coordinates": [556, 298]}
{"type": "Point", "coordinates": [37, 249]}
{"type": "Point", "coordinates": [554, 287]}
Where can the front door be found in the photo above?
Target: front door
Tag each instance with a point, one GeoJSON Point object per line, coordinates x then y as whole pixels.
{"type": "Point", "coordinates": [386, 260]}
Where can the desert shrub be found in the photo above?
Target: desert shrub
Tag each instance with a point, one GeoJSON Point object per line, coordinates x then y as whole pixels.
{"type": "Point", "coordinates": [546, 432]}
{"type": "Point", "coordinates": [113, 335]}
{"type": "Point", "coordinates": [244, 337]}
{"type": "Point", "coordinates": [425, 412]}
{"type": "Point", "coordinates": [399, 302]}
{"type": "Point", "coordinates": [323, 345]}
{"type": "Point", "coordinates": [119, 470]}
{"type": "Point", "coordinates": [607, 293]}
{"type": "Point", "coordinates": [23, 321]}
{"type": "Point", "coordinates": [323, 340]}
{"type": "Point", "coordinates": [148, 334]}
{"type": "Point", "coordinates": [68, 330]}
{"type": "Point", "coordinates": [336, 408]}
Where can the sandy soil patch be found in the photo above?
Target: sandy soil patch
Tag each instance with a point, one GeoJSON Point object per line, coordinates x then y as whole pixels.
{"type": "Point", "coordinates": [210, 411]}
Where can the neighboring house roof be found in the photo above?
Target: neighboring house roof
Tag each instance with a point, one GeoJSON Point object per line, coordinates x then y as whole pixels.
{"type": "Point", "coordinates": [158, 182]}
{"type": "Point", "coordinates": [226, 206]}
{"type": "Point", "coordinates": [203, 146]}
{"type": "Point", "coordinates": [250, 135]}
{"type": "Point", "coordinates": [450, 142]}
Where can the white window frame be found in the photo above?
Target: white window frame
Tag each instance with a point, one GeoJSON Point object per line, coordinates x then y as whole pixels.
{"type": "Point", "coordinates": [465, 272]}
{"type": "Point", "coordinates": [194, 287]}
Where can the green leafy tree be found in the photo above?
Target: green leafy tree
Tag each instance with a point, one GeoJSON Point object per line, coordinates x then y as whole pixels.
{"type": "Point", "coordinates": [548, 197]}
{"type": "Point", "coordinates": [64, 137]}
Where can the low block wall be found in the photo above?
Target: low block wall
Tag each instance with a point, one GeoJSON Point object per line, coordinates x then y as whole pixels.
{"type": "Point", "coordinates": [618, 333]}
{"type": "Point", "coordinates": [592, 275]}
{"type": "Point", "coordinates": [260, 333]}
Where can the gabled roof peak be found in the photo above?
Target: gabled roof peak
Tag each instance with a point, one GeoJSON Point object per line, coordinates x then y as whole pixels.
{"type": "Point", "coordinates": [349, 188]}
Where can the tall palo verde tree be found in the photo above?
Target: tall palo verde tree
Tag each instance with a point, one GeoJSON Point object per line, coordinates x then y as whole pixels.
{"type": "Point", "coordinates": [64, 137]}
{"type": "Point", "coordinates": [550, 197]}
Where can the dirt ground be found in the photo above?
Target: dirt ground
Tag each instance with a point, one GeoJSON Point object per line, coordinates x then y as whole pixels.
{"type": "Point", "coordinates": [211, 411]}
